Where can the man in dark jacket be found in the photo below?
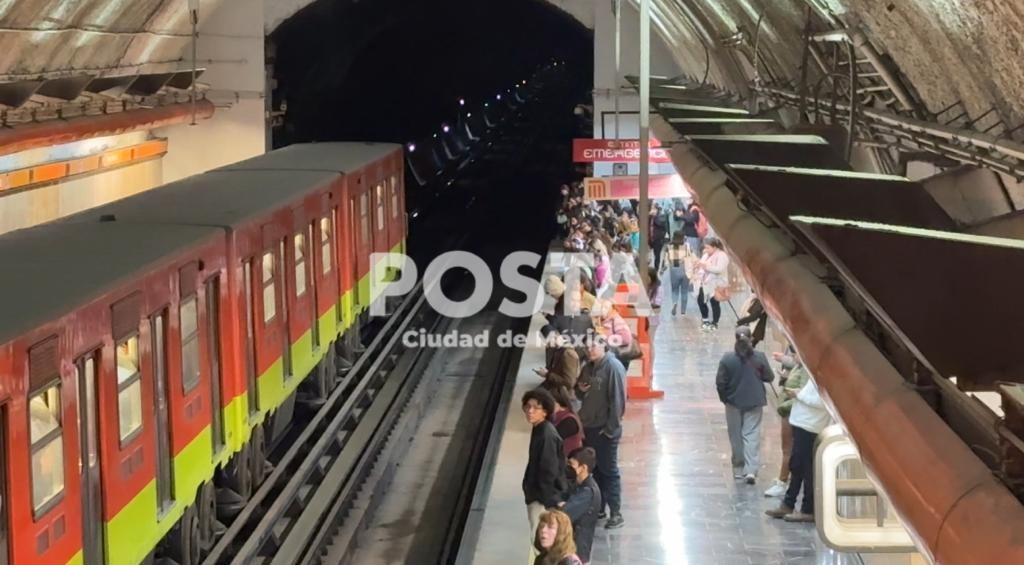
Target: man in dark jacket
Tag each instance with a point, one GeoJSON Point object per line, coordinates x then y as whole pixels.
{"type": "Point", "coordinates": [544, 480]}
{"type": "Point", "coordinates": [583, 503]}
{"type": "Point", "coordinates": [658, 233]}
{"type": "Point", "coordinates": [602, 388]}
{"type": "Point", "coordinates": [742, 374]}
{"type": "Point", "coordinates": [691, 217]}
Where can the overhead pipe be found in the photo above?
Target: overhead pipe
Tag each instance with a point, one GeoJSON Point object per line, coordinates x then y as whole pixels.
{"type": "Point", "coordinates": [56, 132]}
{"type": "Point", "coordinates": [953, 507]}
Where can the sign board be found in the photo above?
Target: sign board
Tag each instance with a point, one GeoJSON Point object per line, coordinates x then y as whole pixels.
{"type": "Point", "coordinates": [620, 188]}
{"type": "Point", "coordinates": [610, 150]}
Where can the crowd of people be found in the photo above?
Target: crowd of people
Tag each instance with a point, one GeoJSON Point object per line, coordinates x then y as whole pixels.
{"type": "Point", "coordinates": [572, 481]}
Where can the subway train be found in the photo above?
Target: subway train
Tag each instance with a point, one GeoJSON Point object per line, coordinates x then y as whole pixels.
{"type": "Point", "coordinates": [151, 348]}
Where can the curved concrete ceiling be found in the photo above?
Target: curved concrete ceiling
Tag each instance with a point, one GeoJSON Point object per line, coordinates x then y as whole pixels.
{"type": "Point", "coordinates": [945, 50]}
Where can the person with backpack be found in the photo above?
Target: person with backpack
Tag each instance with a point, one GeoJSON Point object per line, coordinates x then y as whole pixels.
{"type": "Point", "coordinates": [742, 374]}
{"type": "Point", "coordinates": [658, 232]}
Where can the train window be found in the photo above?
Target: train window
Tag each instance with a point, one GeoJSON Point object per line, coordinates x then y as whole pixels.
{"type": "Point", "coordinates": [129, 388]}
{"type": "Point", "coordinates": [269, 307]}
{"type": "Point", "coordinates": [364, 218]}
{"type": "Point", "coordinates": [47, 446]}
{"type": "Point", "coordinates": [380, 207]}
{"type": "Point", "coordinates": [326, 231]}
{"type": "Point", "coordinates": [189, 343]}
{"type": "Point", "coordinates": [300, 264]}
{"type": "Point", "coordinates": [394, 196]}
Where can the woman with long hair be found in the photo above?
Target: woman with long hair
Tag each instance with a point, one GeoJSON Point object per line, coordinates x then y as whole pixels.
{"type": "Point", "coordinates": [742, 374]}
{"type": "Point", "coordinates": [553, 540]}
{"type": "Point", "coordinates": [676, 254]}
{"type": "Point", "coordinates": [566, 422]}
{"type": "Point", "coordinates": [712, 272]}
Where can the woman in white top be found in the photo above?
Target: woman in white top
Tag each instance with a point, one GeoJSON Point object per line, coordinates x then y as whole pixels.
{"type": "Point", "coordinates": [808, 418]}
{"type": "Point", "coordinates": [711, 272]}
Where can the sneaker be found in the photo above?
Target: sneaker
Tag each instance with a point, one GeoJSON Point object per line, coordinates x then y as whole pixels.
{"type": "Point", "coordinates": [737, 473]}
{"type": "Point", "coordinates": [712, 327]}
{"type": "Point", "coordinates": [750, 478]}
{"type": "Point", "coordinates": [799, 517]}
{"type": "Point", "coordinates": [778, 488]}
{"type": "Point", "coordinates": [779, 513]}
{"type": "Point", "coordinates": [616, 521]}
{"type": "Point", "coordinates": [674, 307]}
{"type": "Point", "coordinates": [602, 515]}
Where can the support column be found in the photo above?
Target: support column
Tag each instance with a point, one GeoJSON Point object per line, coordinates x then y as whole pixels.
{"type": "Point", "coordinates": [645, 134]}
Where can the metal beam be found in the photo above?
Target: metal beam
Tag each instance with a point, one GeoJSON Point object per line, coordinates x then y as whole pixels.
{"type": "Point", "coordinates": [644, 219]}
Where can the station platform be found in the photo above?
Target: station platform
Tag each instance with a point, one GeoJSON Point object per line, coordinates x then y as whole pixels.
{"type": "Point", "coordinates": [680, 501]}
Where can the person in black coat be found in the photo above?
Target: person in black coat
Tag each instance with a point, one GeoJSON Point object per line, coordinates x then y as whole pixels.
{"type": "Point", "coordinates": [544, 481]}
{"type": "Point", "coordinates": [583, 503]}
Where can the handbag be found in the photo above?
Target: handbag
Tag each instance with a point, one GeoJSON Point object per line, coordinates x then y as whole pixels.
{"type": "Point", "coordinates": [722, 294]}
{"type": "Point", "coordinates": [627, 353]}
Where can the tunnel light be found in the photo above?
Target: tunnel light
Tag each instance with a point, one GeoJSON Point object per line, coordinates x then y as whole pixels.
{"type": "Point", "coordinates": [469, 115]}
{"type": "Point", "coordinates": [435, 136]}
{"type": "Point", "coordinates": [462, 101]}
{"type": "Point", "coordinates": [486, 104]}
{"type": "Point", "coordinates": [524, 82]}
{"type": "Point", "coordinates": [499, 97]}
{"type": "Point", "coordinates": [445, 128]}
{"type": "Point", "coordinates": [411, 147]}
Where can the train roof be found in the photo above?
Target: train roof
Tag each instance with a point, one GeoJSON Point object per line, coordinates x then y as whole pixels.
{"type": "Point", "coordinates": [336, 156]}
{"type": "Point", "coordinates": [54, 268]}
{"type": "Point", "coordinates": [217, 198]}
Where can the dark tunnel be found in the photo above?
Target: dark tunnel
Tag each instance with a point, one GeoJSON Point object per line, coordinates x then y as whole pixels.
{"type": "Point", "coordinates": [394, 70]}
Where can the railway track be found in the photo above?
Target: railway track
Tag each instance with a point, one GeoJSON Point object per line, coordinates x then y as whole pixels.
{"type": "Point", "coordinates": [315, 478]}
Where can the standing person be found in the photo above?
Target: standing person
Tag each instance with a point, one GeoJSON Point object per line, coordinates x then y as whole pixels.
{"type": "Point", "coordinates": [742, 374]}
{"type": "Point", "coordinates": [795, 377]}
{"type": "Point", "coordinates": [553, 540]}
{"type": "Point", "coordinates": [566, 422]}
{"type": "Point", "coordinates": [675, 261]}
{"type": "Point", "coordinates": [658, 232]}
{"type": "Point", "coordinates": [603, 393]}
{"type": "Point", "coordinates": [544, 479]}
{"type": "Point", "coordinates": [808, 418]}
{"type": "Point", "coordinates": [583, 502]}
{"type": "Point", "coordinates": [712, 272]}
{"type": "Point", "coordinates": [562, 362]}
{"type": "Point", "coordinates": [691, 218]}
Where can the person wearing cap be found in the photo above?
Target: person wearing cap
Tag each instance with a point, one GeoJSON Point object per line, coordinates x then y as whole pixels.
{"type": "Point", "coordinates": [742, 374]}
{"type": "Point", "coordinates": [583, 501]}
{"type": "Point", "coordinates": [602, 390]}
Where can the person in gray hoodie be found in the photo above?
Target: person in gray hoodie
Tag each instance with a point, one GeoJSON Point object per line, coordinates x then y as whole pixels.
{"type": "Point", "coordinates": [602, 389]}
{"type": "Point", "coordinates": [742, 374]}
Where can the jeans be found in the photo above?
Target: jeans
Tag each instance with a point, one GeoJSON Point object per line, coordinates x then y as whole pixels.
{"type": "Point", "coordinates": [744, 437]}
{"type": "Point", "coordinates": [716, 308]}
{"type": "Point", "coordinates": [680, 287]}
{"type": "Point", "coordinates": [695, 244]}
{"type": "Point", "coordinates": [656, 246]}
{"type": "Point", "coordinates": [801, 470]}
{"type": "Point", "coordinates": [607, 472]}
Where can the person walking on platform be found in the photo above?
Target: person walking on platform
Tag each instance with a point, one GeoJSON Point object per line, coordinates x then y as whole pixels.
{"type": "Point", "coordinates": [603, 392]}
{"type": "Point", "coordinates": [553, 540]}
{"type": "Point", "coordinates": [793, 379]}
{"type": "Point", "coordinates": [691, 220]}
{"type": "Point", "coordinates": [566, 422]}
{"type": "Point", "coordinates": [583, 502]}
{"type": "Point", "coordinates": [808, 418]}
{"type": "Point", "coordinates": [712, 272]}
{"type": "Point", "coordinates": [742, 374]}
{"type": "Point", "coordinates": [544, 480]}
{"type": "Point", "coordinates": [675, 261]}
{"type": "Point", "coordinates": [658, 232]}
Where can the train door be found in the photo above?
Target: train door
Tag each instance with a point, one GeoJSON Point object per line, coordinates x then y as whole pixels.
{"type": "Point", "coordinates": [89, 459]}
{"type": "Point", "coordinates": [313, 275]}
{"type": "Point", "coordinates": [213, 352]}
{"type": "Point", "coordinates": [286, 352]}
{"type": "Point", "coordinates": [5, 528]}
{"type": "Point", "coordinates": [164, 468]}
{"type": "Point", "coordinates": [251, 391]}
{"type": "Point", "coordinates": [353, 249]}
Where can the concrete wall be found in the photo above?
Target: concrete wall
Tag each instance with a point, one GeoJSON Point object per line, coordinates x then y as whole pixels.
{"type": "Point", "coordinates": [38, 205]}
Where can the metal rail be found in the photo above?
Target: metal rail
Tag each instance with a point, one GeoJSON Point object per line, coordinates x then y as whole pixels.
{"type": "Point", "coordinates": [270, 513]}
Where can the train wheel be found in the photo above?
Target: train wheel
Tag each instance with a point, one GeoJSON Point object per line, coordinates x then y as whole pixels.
{"type": "Point", "coordinates": [184, 542]}
{"type": "Point", "coordinates": [257, 457]}
{"type": "Point", "coordinates": [207, 504]}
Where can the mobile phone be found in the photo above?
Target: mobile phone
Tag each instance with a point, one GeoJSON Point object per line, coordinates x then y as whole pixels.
{"type": "Point", "coordinates": [537, 370]}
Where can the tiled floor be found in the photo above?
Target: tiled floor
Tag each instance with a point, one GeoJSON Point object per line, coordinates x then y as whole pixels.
{"type": "Point", "coordinates": [680, 501]}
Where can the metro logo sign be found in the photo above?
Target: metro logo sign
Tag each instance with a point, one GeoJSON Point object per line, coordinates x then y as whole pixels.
{"type": "Point", "coordinates": [621, 151]}
{"type": "Point", "coordinates": [628, 187]}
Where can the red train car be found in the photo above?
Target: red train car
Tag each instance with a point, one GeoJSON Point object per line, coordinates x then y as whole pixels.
{"type": "Point", "coordinates": [224, 333]}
